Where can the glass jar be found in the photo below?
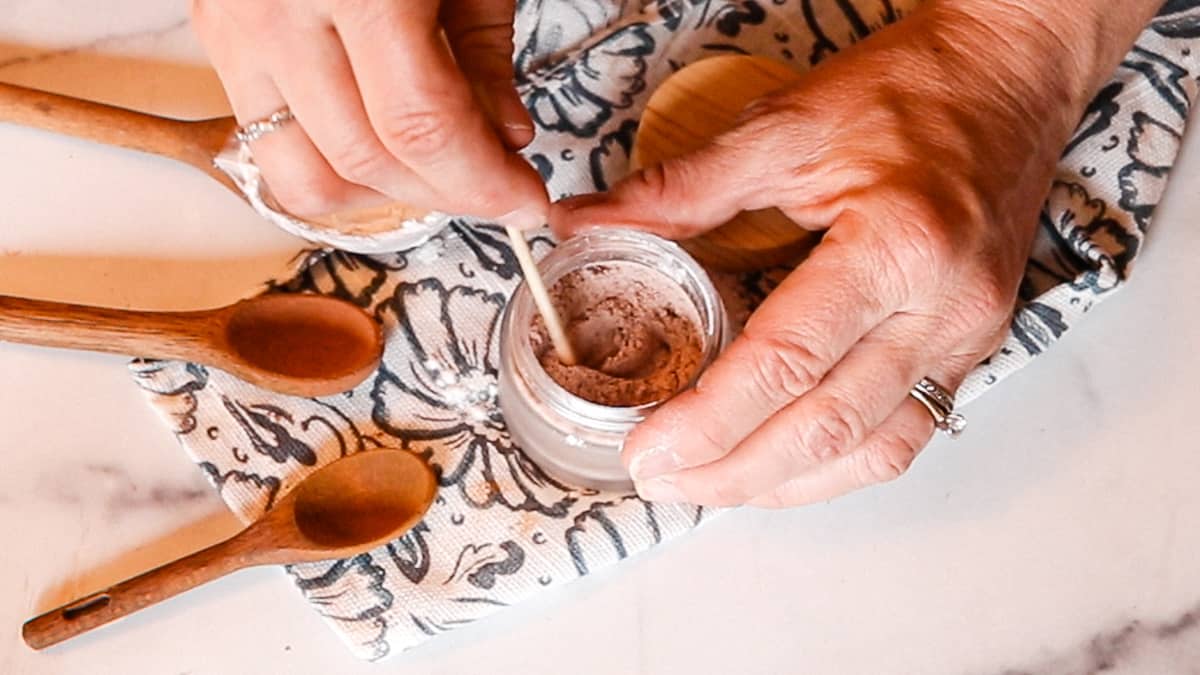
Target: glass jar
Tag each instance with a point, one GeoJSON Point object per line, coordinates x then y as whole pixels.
{"type": "Point", "coordinates": [574, 440]}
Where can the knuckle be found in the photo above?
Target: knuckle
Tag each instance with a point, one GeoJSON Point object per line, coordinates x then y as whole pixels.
{"type": "Point", "coordinates": [887, 461]}
{"type": "Point", "coordinates": [992, 296]}
{"type": "Point", "coordinates": [784, 368]}
{"type": "Point", "coordinates": [921, 238]}
{"type": "Point", "coordinates": [655, 186]}
{"type": "Point", "coordinates": [982, 305]}
{"type": "Point", "coordinates": [359, 162]}
{"type": "Point", "coordinates": [831, 430]}
{"type": "Point", "coordinates": [409, 132]}
{"type": "Point", "coordinates": [307, 196]}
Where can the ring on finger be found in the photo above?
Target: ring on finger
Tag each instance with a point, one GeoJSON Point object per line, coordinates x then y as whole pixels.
{"type": "Point", "coordinates": [261, 127]}
{"type": "Point", "coordinates": [940, 403]}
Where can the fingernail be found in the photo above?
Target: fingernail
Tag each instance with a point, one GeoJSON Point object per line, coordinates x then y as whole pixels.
{"type": "Point", "coordinates": [517, 135]}
{"type": "Point", "coordinates": [661, 490]}
{"type": "Point", "coordinates": [654, 462]}
{"type": "Point", "coordinates": [524, 218]}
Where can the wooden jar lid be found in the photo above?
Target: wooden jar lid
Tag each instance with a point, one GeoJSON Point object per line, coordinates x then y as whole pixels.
{"type": "Point", "coordinates": [692, 106]}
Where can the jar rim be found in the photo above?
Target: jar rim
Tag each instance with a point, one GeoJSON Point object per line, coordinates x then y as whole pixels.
{"type": "Point", "coordinates": [562, 260]}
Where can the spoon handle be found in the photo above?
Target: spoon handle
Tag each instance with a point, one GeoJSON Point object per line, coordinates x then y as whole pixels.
{"type": "Point", "coordinates": [167, 335]}
{"type": "Point", "coordinates": [193, 142]}
{"type": "Point", "coordinates": [138, 593]}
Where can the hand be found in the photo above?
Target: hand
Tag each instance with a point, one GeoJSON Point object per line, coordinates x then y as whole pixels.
{"type": "Point", "coordinates": [387, 108]}
{"type": "Point", "coordinates": [926, 153]}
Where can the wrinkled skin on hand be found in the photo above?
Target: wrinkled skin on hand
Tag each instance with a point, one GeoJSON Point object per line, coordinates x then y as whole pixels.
{"type": "Point", "coordinates": [925, 154]}
{"type": "Point", "coordinates": [409, 102]}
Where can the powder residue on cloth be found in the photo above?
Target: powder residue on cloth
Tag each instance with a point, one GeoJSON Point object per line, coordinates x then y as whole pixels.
{"type": "Point", "coordinates": [635, 331]}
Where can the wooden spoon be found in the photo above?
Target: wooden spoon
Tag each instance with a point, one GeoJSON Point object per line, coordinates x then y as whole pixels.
{"type": "Point", "coordinates": [345, 508]}
{"type": "Point", "coordinates": [196, 143]}
{"type": "Point", "coordinates": [687, 110]}
{"type": "Point", "coordinates": [303, 345]}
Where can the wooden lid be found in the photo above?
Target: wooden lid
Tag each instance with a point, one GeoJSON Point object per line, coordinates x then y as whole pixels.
{"type": "Point", "coordinates": [692, 106]}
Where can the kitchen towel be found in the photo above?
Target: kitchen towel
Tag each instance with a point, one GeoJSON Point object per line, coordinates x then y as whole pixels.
{"type": "Point", "coordinates": [500, 530]}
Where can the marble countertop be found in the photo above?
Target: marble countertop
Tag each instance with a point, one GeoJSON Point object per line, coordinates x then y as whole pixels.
{"type": "Point", "coordinates": [1058, 536]}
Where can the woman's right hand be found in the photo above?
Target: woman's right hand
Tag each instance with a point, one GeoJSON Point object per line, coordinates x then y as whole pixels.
{"type": "Point", "coordinates": [387, 107]}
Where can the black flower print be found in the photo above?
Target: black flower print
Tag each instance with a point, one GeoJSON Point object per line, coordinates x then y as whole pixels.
{"type": "Point", "coordinates": [350, 591]}
{"type": "Point", "coordinates": [1167, 78]}
{"type": "Point", "coordinates": [1178, 19]}
{"type": "Point", "coordinates": [609, 160]}
{"type": "Point", "coordinates": [578, 97]}
{"type": "Point", "coordinates": [1092, 249]}
{"type": "Point", "coordinates": [352, 277]}
{"type": "Point", "coordinates": [439, 397]}
{"type": "Point", "coordinates": [839, 24]}
{"type": "Point", "coordinates": [266, 426]}
{"type": "Point", "coordinates": [480, 564]}
{"type": "Point", "coordinates": [1098, 117]}
{"type": "Point", "coordinates": [177, 384]}
{"type": "Point", "coordinates": [605, 533]}
{"type": "Point", "coordinates": [489, 243]}
{"type": "Point", "coordinates": [264, 488]}
{"type": "Point", "coordinates": [730, 18]}
{"type": "Point", "coordinates": [410, 553]}
{"type": "Point", "coordinates": [1036, 326]}
{"type": "Point", "coordinates": [1151, 148]}
{"type": "Point", "coordinates": [547, 28]}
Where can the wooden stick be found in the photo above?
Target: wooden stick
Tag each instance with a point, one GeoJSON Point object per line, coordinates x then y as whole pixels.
{"type": "Point", "coordinates": [541, 298]}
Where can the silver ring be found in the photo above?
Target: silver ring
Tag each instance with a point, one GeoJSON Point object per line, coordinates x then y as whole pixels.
{"type": "Point", "coordinates": [259, 128]}
{"type": "Point", "coordinates": [940, 404]}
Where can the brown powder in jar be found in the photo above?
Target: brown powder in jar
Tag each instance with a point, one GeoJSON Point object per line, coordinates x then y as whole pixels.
{"type": "Point", "coordinates": [635, 331]}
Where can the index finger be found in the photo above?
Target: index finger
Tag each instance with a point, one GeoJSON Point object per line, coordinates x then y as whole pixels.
{"type": "Point", "coordinates": [799, 333]}
{"type": "Point", "coordinates": [426, 115]}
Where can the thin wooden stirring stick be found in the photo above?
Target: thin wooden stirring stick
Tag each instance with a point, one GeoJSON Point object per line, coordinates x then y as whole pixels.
{"type": "Point", "coordinates": [558, 336]}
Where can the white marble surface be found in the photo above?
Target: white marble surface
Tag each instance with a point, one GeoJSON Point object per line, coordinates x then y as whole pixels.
{"type": "Point", "coordinates": [1059, 536]}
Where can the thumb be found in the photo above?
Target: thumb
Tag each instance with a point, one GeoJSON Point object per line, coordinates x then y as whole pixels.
{"type": "Point", "coordinates": [681, 197]}
{"type": "Point", "coordinates": [480, 34]}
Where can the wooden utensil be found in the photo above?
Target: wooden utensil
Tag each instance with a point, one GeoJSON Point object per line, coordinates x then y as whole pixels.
{"type": "Point", "coordinates": [196, 143]}
{"type": "Point", "coordinates": [541, 298]}
{"type": "Point", "coordinates": [303, 345]}
{"type": "Point", "coordinates": [687, 110]}
{"type": "Point", "coordinates": [345, 508]}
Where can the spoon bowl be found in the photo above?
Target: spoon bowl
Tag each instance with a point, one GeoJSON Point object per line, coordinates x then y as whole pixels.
{"type": "Point", "coordinates": [353, 505]}
{"type": "Point", "coordinates": [292, 341]}
{"type": "Point", "coordinates": [349, 506]}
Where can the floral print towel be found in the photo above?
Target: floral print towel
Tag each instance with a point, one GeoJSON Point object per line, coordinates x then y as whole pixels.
{"type": "Point", "coordinates": [501, 530]}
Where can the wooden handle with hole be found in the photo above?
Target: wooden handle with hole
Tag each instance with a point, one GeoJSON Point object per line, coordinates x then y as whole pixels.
{"type": "Point", "coordinates": [167, 335]}
{"type": "Point", "coordinates": [137, 593]}
{"type": "Point", "coordinates": [192, 142]}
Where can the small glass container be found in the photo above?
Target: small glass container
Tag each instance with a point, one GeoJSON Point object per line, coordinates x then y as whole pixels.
{"type": "Point", "coordinates": [574, 440]}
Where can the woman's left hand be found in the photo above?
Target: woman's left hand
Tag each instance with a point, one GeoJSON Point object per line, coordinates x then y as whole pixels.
{"type": "Point", "coordinates": [926, 152]}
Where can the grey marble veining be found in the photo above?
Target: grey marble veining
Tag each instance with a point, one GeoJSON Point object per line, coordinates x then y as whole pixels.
{"type": "Point", "coordinates": [1136, 647]}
